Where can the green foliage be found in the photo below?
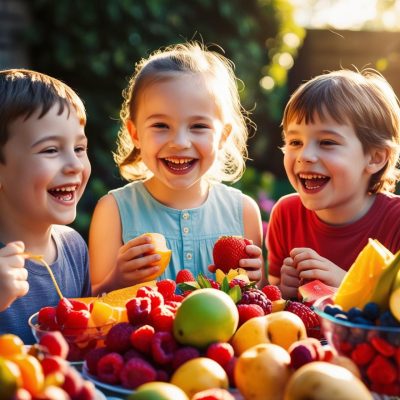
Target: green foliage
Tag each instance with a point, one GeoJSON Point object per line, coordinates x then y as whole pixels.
{"type": "Point", "coordinates": [93, 46]}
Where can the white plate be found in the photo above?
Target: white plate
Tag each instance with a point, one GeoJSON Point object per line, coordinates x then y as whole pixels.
{"type": "Point", "coordinates": [105, 386]}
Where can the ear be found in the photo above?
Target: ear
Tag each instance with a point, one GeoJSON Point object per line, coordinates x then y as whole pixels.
{"type": "Point", "coordinates": [131, 127]}
{"type": "Point", "coordinates": [226, 131]}
{"type": "Point", "coordinates": [378, 159]}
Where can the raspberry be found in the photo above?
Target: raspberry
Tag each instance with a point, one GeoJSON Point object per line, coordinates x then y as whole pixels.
{"type": "Point", "coordinates": [247, 311]}
{"type": "Point", "coordinates": [176, 298]}
{"type": "Point", "coordinates": [256, 296]}
{"type": "Point", "coordinates": [109, 368]}
{"type": "Point", "coordinates": [138, 310]}
{"type": "Point", "coordinates": [92, 359]}
{"type": "Point", "coordinates": [381, 371]}
{"type": "Point", "coordinates": [272, 292]}
{"type": "Point", "coordinates": [305, 351]}
{"type": "Point", "coordinates": [184, 275]}
{"type": "Point", "coordinates": [238, 282]}
{"type": "Point", "coordinates": [155, 297]}
{"type": "Point", "coordinates": [141, 338]}
{"type": "Point", "coordinates": [118, 337]}
{"type": "Point", "coordinates": [307, 315]}
{"type": "Point", "coordinates": [51, 364]}
{"type": "Point", "coordinates": [362, 354]}
{"type": "Point", "coordinates": [87, 392]}
{"type": "Point", "coordinates": [55, 344]}
{"type": "Point", "coordinates": [173, 305]}
{"type": "Point", "coordinates": [383, 347]}
{"type": "Point", "coordinates": [220, 352]}
{"type": "Point", "coordinates": [184, 354]}
{"type": "Point", "coordinates": [162, 375]}
{"type": "Point", "coordinates": [163, 347]}
{"type": "Point", "coordinates": [47, 319]}
{"type": "Point", "coordinates": [136, 372]}
{"type": "Point", "coordinates": [229, 369]}
{"type": "Point", "coordinates": [73, 382]}
{"type": "Point", "coordinates": [162, 318]}
{"type": "Point", "coordinates": [167, 288]}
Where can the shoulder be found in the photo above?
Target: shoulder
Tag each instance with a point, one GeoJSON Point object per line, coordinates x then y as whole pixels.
{"type": "Point", "coordinates": [69, 238]}
{"type": "Point", "coordinates": [287, 203]}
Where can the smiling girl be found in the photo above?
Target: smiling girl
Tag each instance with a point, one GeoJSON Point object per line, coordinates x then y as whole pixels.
{"type": "Point", "coordinates": [341, 134]}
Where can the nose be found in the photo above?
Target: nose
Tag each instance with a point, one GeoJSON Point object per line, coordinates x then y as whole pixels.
{"type": "Point", "coordinates": [73, 164]}
{"type": "Point", "coordinates": [180, 139]}
{"type": "Point", "coordinates": [307, 154]}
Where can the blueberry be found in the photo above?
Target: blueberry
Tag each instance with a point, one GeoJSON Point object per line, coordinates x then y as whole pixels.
{"type": "Point", "coordinates": [371, 311]}
{"type": "Point", "coordinates": [354, 312]}
{"type": "Point", "coordinates": [387, 319]}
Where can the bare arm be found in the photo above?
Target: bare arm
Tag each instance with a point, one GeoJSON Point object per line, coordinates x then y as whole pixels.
{"type": "Point", "coordinates": [113, 264]}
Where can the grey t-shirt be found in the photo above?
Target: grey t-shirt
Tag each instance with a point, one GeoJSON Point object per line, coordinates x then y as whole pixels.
{"type": "Point", "coordinates": [71, 271]}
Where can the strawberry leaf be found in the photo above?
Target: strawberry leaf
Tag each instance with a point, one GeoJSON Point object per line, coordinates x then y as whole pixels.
{"type": "Point", "coordinates": [225, 285]}
{"type": "Point", "coordinates": [203, 282]}
{"type": "Point", "coordinates": [184, 287]}
{"type": "Point", "coordinates": [235, 293]}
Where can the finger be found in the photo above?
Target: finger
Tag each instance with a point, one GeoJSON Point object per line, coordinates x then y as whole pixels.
{"type": "Point", "coordinates": [21, 274]}
{"type": "Point", "coordinates": [253, 251]}
{"type": "Point", "coordinates": [137, 241]}
{"type": "Point", "coordinates": [288, 261]}
{"type": "Point", "coordinates": [250, 263]}
{"type": "Point", "coordinates": [137, 251]}
{"type": "Point", "coordinates": [13, 248]}
{"type": "Point", "coordinates": [21, 288]}
{"type": "Point", "coordinates": [311, 274]}
{"type": "Point", "coordinates": [139, 275]}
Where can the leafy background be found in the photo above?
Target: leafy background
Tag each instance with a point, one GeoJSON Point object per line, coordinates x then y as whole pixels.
{"type": "Point", "coordinates": [93, 46]}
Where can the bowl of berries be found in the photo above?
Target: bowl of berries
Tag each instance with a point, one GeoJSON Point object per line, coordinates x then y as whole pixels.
{"type": "Point", "coordinates": [83, 325]}
{"type": "Point", "coordinates": [370, 338]}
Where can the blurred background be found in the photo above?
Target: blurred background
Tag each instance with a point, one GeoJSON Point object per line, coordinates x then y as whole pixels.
{"type": "Point", "coordinates": [275, 45]}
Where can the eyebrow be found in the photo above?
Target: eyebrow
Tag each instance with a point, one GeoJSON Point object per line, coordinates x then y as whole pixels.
{"type": "Point", "coordinates": [323, 131]}
{"type": "Point", "coordinates": [56, 138]}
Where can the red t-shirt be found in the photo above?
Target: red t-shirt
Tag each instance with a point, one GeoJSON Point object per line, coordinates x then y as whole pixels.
{"type": "Point", "coordinates": [292, 225]}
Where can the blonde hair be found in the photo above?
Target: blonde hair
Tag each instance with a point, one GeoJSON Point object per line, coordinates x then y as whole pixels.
{"type": "Point", "coordinates": [217, 70]}
{"type": "Point", "coordinates": [365, 100]}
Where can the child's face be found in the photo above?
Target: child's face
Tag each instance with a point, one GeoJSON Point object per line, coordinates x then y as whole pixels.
{"type": "Point", "coordinates": [327, 166]}
{"type": "Point", "coordinates": [179, 131]}
{"type": "Point", "coordinates": [46, 168]}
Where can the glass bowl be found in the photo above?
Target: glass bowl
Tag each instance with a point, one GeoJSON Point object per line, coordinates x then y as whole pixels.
{"type": "Point", "coordinates": [373, 348]}
{"type": "Point", "coordinates": [80, 341]}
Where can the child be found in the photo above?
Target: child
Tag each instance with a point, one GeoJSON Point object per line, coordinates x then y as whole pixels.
{"type": "Point", "coordinates": [44, 169]}
{"type": "Point", "coordinates": [341, 146]}
{"type": "Point", "coordinates": [182, 133]}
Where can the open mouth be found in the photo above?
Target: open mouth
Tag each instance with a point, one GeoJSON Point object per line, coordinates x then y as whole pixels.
{"type": "Point", "coordinates": [179, 165]}
{"type": "Point", "coordinates": [313, 182]}
{"type": "Point", "coordinates": [63, 193]}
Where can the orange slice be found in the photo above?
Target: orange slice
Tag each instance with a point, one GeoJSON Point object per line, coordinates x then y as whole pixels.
{"type": "Point", "coordinates": [159, 242]}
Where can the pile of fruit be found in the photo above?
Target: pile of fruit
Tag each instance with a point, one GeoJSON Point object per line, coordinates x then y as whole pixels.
{"type": "Point", "coordinates": [40, 371]}
{"type": "Point", "coordinates": [366, 312]}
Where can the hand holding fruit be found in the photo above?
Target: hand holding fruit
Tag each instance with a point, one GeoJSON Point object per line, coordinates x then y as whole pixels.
{"type": "Point", "coordinates": [13, 275]}
{"type": "Point", "coordinates": [141, 259]}
{"type": "Point", "coordinates": [290, 280]}
{"type": "Point", "coordinates": [311, 265]}
{"type": "Point", "coordinates": [232, 252]}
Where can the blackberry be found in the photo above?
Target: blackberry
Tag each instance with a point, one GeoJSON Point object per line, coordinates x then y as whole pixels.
{"type": "Point", "coordinates": [256, 296]}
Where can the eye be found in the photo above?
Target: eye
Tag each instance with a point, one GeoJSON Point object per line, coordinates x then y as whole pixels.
{"type": "Point", "coordinates": [160, 125]}
{"type": "Point", "coordinates": [293, 143]}
{"type": "Point", "coordinates": [81, 149]}
{"type": "Point", "coordinates": [49, 150]}
{"type": "Point", "coordinates": [328, 142]}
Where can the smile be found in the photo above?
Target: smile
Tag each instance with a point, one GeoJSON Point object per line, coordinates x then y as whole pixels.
{"type": "Point", "coordinates": [313, 182]}
{"type": "Point", "coordinates": [179, 165]}
{"type": "Point", "coordinates": [64, 193]}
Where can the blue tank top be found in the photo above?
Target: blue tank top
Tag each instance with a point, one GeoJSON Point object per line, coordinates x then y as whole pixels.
{"type": "Point", "coordinates": [71, 271]}
{"type": "Point", "coordinates": [190, 233]}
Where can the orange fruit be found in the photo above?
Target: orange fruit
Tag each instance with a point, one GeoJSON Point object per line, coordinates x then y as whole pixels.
{"type": "Point", "coordinates": [101, 314]}
{"type": "Point", "coordinates": [31, 372]}
{"type": "Point", "coordinates": [11, 345]}
{"type": "Point", "coordinates": [159, 242]}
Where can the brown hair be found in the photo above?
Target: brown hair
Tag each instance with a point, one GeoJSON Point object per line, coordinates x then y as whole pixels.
{"type": "Point", "coordinates": [188, 58]}
{"type": "Point", "coordinates": [23, 92]}
{"type": "Point", "coordinates": [366, 101]}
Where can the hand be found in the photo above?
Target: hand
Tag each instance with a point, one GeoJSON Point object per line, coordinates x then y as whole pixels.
{"type": "Point", "coordinates": [252, 265]}
{"type": "Point", "coordinates": [290, 280]}
{"type": "Point", "coordinates": [134, 261]}
{"type": "Point", "coordinates": [13, 275]}
{"type": "Point", "coordinates": [310, 265]}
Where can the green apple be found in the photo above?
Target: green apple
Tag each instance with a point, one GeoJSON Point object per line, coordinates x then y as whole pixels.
{"type": "Point", "coordinates": [158, 391]}
{"type": "Point", "coordinates": [205, 316]}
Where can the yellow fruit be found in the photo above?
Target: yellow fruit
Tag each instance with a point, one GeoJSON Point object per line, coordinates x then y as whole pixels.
{"type": "Point", "coordinates": [158, 391]}
{"type": "Point", "coordinates": [199, 374]}
{"type": "Point", "coordinates": [394, 303]}
{"type": "Point", "coordinates": [10, 379]}
{"type": "Point", "coordinates": [31, 372]}
{"type": "Point", "coordinates": [11, 345]}
{"type": "Point", "coordinates": [262, 372]}
{"type": "Point", "coordinates": [101, 314]}
{"type": "Point", "coordinates": [251, 333]}
{"type": "Point", "coordinates": [278, 305]}
{"type": "Point", "coordinates": [160, 244]}
{"type": "Point", "coordinates": [285, 328]}
{"type": "Point", "coordinates": [321, 381]}
{"type": "Point", "coordinates": [205, 316]}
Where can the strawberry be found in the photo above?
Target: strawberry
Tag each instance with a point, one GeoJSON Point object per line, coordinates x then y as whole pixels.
{"type": "Point", "coordinates": [228, 251]}
{"type": "Point", "coordinates": [184, 275]}
{"type": "Point", "coordinates": [307, 315]}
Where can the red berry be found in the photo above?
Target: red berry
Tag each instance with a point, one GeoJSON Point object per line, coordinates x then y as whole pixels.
{"type": "Point", "coordinates": [383, 347]}
{"type": "Point", "coordinates": [73, 382]}
{"type": "Point", "coordinates": [166, 287]}
{"type": "Point", "coordinates": [362, 354]}
{"type": "Point", "coordinates": [256, 296]}
{"type": "Point", "coordinates": [64, 307]}
{"type": "Point", "coordinates": [307, 315]}
{"type": "Point", "coordinates": [142, 337]}
{"type": "Point", "coordinates": [47, 318]}
{"type": "Point", "coordinates": [184, 354]}
{"type": "Point", "coordinates": [155, 297]}
{"type": "Point", "coordinates": [230, 369]}
{"type": "Point", "coordinates": [76, 322]}
{"type": "Point", "coordinates": [92, 358]}
{"type": "Point", "coordinates": [184, 275]}
{"type": "Point", "coordinates": [220, 352]}
{"type": "Point", "coordinates": [272, 292]}
{"type": "Point", "coordinates": [118, 337]}
{"type": "Point", "coordinates": [51, 364]}
{"type": "Point", "coordinates": [163, 347]}
{"type": "Point", "coordinates": [138, 310]}
{"type": "Point", "coordinates": [55, 344]}
{"type": "Point", "coordinates": [109, 368]}
{"type": "Point", "coordinates": [228, 251]}
{"type": "Point", "coordinates": [136, 372]}
{"type": "Point", "coordinates": [162, 318]}
{"type": "Point", "coordinates": [87, 392]}
{"type": "Point", "coordinates": [382, 371]}
{"type": "Point", "coordinates": [247, 311]}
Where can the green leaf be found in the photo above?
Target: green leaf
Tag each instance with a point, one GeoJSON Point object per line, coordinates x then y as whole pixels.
{"type": "Point", "coordinates": [203, 281]}
{"type": "Point", "coordinates": [225, 285]}
{"type": "Point", "coordinates": [235, 294]}
{"type": "Point", "coordinates": [184, 287]}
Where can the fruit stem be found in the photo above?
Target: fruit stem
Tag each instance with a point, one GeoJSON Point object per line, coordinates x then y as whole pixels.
{"type": "Point", "coordinates": [39, 257]}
